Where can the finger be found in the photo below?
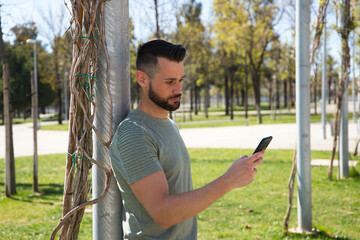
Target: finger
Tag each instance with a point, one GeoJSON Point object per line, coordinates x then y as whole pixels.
{"type": "Point", "coordinates": [254, 171]}
{"type": "Point", "coordinates": [257, 162]}
{"type": "Point", "coordinates": [256, 156]}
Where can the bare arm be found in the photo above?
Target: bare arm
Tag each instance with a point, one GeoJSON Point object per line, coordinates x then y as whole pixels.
{"type": "Point", "coordinates": [167, 210]}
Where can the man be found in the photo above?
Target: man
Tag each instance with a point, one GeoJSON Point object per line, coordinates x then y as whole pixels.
{"type": "Point", "coordinates": [150, 160]}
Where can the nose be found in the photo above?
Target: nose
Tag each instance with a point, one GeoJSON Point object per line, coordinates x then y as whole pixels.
{"type": "Point", "coordinates": [178, 88]}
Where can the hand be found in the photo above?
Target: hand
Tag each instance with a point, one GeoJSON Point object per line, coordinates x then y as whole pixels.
{"type": "Point", "coordinates": [243, 170]}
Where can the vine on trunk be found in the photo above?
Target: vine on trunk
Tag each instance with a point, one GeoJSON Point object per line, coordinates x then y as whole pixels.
{"type": "Point", "coordinates": [87, 28]}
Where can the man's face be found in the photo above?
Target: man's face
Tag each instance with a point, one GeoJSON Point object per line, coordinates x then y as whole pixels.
{"type": "Point", "coordinates": [166, 87]}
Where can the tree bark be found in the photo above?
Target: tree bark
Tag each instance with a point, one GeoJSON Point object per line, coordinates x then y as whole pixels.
{"type": "Point", "coordinates": [10, 183]}
{"type": "Point", "coordinates": [35, 126]}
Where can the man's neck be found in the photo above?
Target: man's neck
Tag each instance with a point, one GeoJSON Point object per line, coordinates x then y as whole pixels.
{"type": "Point", "coordinates": [152, 109]}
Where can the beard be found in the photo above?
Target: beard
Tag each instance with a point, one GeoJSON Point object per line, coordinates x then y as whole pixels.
{"type": "Point", "coordinates": [164, 103]}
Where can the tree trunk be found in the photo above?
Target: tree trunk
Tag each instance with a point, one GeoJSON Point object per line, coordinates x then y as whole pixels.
{"type": "Point", "coordinates": [196, 99]}
{"type": "Point", "coordinates": [226, 89]}
{"type": "Point", "coordinates": [344, 33]}
{"type": "Point", "coordinates": [35, 125]}
{"type": "Point", "coordinates": [246, 89]}
{"type": "Point", "coordinates": [255, 77]}
{"type": "Point", "coordinates": [231, 95]}
{"type": "Point", "coordinates": [285, 83]}
{"type": "Point", "coordinates": [58, 82]}
{"type": "Point", "coordinates": [270, 94]}
{"type": "Point", "coordinates": [10, 183]}
{"type": "Point", "coordinates": [277, 89]}
{"type": "Point", "coordinates": [207, 98]}
{"type": "Point", "coordinates": [292, 95]}
{"type": "Point", "coordinates": [315, 89]}
{"type": "Point", "coordinates": [157, 34]}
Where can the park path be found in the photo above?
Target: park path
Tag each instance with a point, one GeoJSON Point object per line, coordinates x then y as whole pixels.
{"type": "Point", "coordinates": [284, 137]}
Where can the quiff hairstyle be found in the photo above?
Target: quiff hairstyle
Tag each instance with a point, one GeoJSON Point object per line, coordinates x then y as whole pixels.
{"type": "Point", "coordinates": [148, 53]}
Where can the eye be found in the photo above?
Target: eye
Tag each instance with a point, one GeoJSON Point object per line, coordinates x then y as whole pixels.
{"type": "Point", "coordinates": [169, 82]}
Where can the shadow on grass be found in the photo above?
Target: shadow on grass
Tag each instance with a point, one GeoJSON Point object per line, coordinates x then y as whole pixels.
{"type": "Point", "coordinates": [319, 234]}
{"type": "Point", "coordinates": [48, 193]}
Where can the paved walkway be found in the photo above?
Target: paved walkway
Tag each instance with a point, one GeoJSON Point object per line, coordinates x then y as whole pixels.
{"type": "Point", "coordinates": [284, 137]}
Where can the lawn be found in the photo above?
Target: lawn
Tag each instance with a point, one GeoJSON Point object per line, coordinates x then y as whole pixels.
{"type": "Point", "coordinates": [254, 212]}
{"type": "Point", "coordinates": [219, 119]}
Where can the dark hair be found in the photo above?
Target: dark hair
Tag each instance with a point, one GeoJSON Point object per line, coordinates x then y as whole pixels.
{"type": "Point", "coordinates": [148, 53]}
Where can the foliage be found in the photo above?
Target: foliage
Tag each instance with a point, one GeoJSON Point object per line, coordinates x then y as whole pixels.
{"type": "Point", "coordinates": [20, 58]}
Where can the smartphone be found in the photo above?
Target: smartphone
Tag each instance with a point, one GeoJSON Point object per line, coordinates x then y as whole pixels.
{"type": "Point", "coordinates": [263, 144]}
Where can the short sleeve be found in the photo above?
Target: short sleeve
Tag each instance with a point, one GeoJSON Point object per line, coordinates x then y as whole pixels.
{"type": "Point", "coordinates": [134, 152]}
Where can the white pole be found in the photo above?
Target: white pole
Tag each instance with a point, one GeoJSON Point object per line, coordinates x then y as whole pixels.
{"type": "Point", "coordinates": [344, 121]}
{"type": "Point", "coordinates": [353, 81]}
{"type": "Point", "coordinates": [344, 135]}
{"type": "Point", "coordinates": [107, 214]}
{"type": "Point", "coordinates": [323, 86]}
{"type": "Point", "coordinates": [303, 114]}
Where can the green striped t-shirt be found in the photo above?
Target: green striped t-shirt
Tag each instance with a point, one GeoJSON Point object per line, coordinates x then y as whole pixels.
{"type": "Point", "coordinates": [143, 145]}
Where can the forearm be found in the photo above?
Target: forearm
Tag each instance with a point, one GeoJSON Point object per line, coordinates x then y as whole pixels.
{"type": "Point", "coordinates": [167, 210]}
{"type": "Point", "coordinates": [179, 207]}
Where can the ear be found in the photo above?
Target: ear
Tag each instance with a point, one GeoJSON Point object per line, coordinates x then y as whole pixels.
{"type": "Point", "coordinates": [142, 78]}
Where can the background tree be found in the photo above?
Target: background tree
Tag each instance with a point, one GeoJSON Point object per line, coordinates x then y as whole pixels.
{"type": "Point", "coordinates": [10, 184]}
{"type": "Point", "coordinates": [191, 34]}
{"type": "Point", "coordinates": [21, 62]}
{"type": "Point", "coordinates": [59, 54]}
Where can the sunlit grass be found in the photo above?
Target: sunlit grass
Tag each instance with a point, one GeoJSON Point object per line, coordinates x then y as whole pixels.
{"type": "Point", "coordinates": [253, 212]}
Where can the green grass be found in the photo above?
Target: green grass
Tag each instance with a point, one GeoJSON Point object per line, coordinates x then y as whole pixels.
{"type": "Point", "coordinates": [33, 216]}
{"type": "Point", "coordinates": [56, 127]}
{"type": "Point", "coordinates": [253, 212]}
{"type": "Point", "coordinates": [266, 118]}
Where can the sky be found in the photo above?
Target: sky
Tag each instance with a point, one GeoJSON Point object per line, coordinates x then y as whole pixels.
{"type": "Point", "coordinates": [20, 11]}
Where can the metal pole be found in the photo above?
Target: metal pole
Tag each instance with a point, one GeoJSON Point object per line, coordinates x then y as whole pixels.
{"type": "Point", "coordinates": [344, 135]}
{"type": "Point", "coordinates": [353, 81]}
{"type": "Point", "coordinates": [323, 86]}
{"type": "Point", "coordinates": [36, 84]}
{"type": "Point", "coordinates": [303, 114]}
{"type": "Point", "coordinates": [107, 214]}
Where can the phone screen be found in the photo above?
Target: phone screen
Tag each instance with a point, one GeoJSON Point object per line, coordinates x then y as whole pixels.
{"type": "Point", "coordinates": [263, 144]}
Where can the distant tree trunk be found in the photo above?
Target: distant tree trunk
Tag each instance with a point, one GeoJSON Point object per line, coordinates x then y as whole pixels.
{"type": "Point", "coordinates": [292, 95]}
{"type": "Point", "coordinates": [34, 106]}
{"type": "Point", "coordinates": [246, 88]}
{"type": "Point", "coordinates": [255, 77]}
{"type": "Point", "coordinates": [10, 184]}
{"type": "Point", "coordinates": [58, 80]}
{"type": "Point", "coordinates": [226, 89]}
{"type": "Point", "coordinates": [285, 83]}
{"type": "Point", "coordinates": [196, 99]}
{"type": "Point", "coordinates": [231, 95]}
{"type": "Point", "coordinates": [270, 93]}
{"type": "Point", "coordinates": [277, 94]}
{"type": "Point", "coordinates": [157, 34]}
{"type": "Point", "coordinates": [237, 94]}
{"type": "Point", "coordinates": [191, 99]}
{"type": "Point", "coordinates": [207, 98]}
{"type": "Point", "coordinates": [315, 89]}
{"type": "Point", "coordinates": [242, 92]}
{"type": "Point", "coordinates": [344, 32]}
{"type": "Point", "coordinates": [330, 90]}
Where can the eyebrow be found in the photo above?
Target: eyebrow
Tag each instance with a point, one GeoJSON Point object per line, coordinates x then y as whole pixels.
{"type": "Point", "coordinates": [172, 79]}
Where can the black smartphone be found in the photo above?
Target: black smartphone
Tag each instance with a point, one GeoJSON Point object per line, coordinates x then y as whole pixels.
{"type": "Point", "coordinates": [263, 144]}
